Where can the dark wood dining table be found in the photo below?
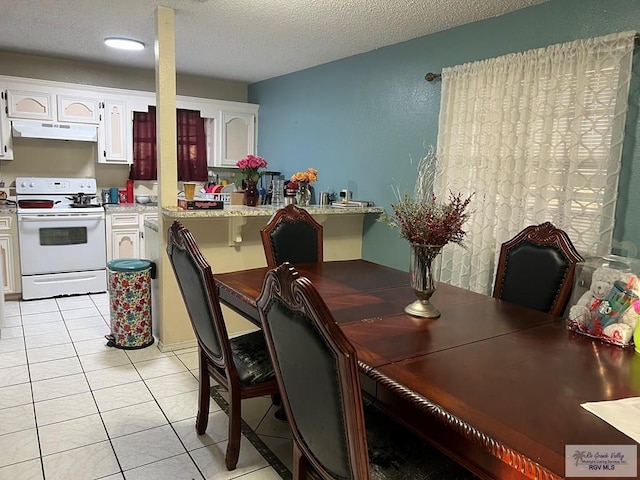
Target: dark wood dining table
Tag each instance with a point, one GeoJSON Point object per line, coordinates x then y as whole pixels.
{"type": "Point", "coordinates": [495, 385]}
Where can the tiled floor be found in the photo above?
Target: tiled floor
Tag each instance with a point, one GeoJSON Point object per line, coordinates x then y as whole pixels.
{"type": "Point", "coordinates": [72, 408]}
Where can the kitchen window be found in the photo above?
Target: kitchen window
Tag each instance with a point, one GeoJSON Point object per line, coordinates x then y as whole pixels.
{"type": "Point", "coordinates": [191, 143]}
{"type": "Point", "coordinates": [538, 137]}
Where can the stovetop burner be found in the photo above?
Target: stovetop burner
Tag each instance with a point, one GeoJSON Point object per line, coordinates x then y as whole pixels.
{"type": "Point", "coordinates": [57, 196]}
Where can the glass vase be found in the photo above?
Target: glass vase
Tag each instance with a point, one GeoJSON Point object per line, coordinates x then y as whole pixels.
{"type": "Point", "coordinates": [424, 271]}
{"type": "Point", "coordinates": [251, 193]}
{"type": "Point", "coordinates": [304, 194]}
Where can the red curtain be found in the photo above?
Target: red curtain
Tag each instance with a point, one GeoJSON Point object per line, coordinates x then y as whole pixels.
{"type": "Point", "coordinates": [144, 146]}
{"type": "Point", "coordinates": [192, 146]}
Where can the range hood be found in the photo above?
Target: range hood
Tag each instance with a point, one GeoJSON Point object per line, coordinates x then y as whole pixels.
{"type": "Point", "coordinates": [55, 131]}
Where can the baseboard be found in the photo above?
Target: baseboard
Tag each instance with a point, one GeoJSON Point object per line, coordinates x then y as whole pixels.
{"type": "Point", "coordinates": [238, 334]}
{"type": "Point", "coordinates": [170, 347]}
{"type": "Point", "coordinates": [176, 346]}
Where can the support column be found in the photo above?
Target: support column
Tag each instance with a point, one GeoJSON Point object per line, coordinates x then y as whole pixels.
{"type": "Point", "coordinates": [174, 327]}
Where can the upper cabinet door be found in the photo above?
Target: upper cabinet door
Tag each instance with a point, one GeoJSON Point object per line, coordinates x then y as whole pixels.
{"type": "Point", "coordinates": [78, 110]}
{"type": "Point", "coordinates": [30, 105]}
{"type": "Point", "coordinates": [115, 143]}
{"type": "Point", "coordinates": [238, 137]}
{"type": "Point", "coordinates": [6, 150]}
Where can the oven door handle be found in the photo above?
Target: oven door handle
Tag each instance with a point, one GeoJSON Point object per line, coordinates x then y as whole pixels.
{"type": "Point", "coordinates": [57, 218]}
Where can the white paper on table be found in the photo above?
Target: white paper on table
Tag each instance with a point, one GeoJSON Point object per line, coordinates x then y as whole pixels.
{"type": "Point", "coordinates": [622, 414]}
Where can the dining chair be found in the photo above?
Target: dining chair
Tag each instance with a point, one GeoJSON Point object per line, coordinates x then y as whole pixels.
{"type": "Point", "coordinates": [241, 364]}
{"type": "Point", "coordinates": [292, 235]}
{"type": "Point", "coordinates": [335, 435]}
{"type": "Point", "coordinates": [536, 269]}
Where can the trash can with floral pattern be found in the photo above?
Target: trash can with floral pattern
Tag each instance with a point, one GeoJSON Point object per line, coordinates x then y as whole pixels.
{"type": "Point", "coordinates": [129, 286]}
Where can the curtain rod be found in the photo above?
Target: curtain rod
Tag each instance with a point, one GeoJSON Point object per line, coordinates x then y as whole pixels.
{"type": "Point", "coordinates": [430, 77]}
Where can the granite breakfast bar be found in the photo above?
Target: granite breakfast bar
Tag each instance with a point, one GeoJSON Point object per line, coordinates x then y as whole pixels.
{"type": "Point", "coordinates": [230, 239]}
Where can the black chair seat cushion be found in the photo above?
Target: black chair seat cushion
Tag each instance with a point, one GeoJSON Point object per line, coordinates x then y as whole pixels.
{"type": "Point", "coordinates": [251, 357]}
{"type": "Point", "coordinates": [397, 454]}
{"type": "Point", "coordinates": [533, 275]}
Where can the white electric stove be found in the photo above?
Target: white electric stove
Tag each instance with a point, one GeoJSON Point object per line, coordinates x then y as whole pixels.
{"type": "Point", "coordinates": [61, 234]}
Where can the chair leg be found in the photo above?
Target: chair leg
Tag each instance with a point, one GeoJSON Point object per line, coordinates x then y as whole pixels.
{"type": "Point", "coordinates": [276, 399]}
{"type": "Point", "coordinates": [300, 465]}
{"type": "Point", "coordinates": [204, 385]}
{"type": "Point", "coordinates": [233, 447]}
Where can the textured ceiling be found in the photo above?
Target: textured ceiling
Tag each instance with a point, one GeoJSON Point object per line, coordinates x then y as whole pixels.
{"type": "Point", "coordinates": [243, 40]}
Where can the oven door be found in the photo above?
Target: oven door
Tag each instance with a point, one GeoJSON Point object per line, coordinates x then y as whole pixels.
{"type": "Point", "coordinates": [61, 242]}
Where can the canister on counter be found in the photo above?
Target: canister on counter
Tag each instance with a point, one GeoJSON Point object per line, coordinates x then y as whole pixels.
{"type": "Point", "coordinates": [106, 196]}
{"type": "Point", "coordinates": [114, 195]}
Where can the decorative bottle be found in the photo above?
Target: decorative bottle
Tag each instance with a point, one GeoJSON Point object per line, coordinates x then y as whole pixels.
{"type": "Point", "coordinates": [129, 191]}
{"type": "Point", "coordinates": [636, 333]}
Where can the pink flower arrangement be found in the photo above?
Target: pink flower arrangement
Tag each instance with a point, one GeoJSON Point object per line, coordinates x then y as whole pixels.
{"type": "Point", "coordinates": [249, 166]}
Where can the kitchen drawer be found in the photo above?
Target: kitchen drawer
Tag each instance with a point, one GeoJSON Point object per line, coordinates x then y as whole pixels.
{"type": "Point", "coordinates": [120, 219]}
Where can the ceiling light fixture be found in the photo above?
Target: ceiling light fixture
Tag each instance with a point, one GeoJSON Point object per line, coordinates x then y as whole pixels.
{"type": "Point", "coordinates": [123, 43]}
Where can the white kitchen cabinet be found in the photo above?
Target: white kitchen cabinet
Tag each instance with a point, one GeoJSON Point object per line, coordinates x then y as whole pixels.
{"type": "Point", "coordinates": [126, 243]}
{"type": "Point", "coordinates": [144, 250]}
{"type": "Point", "coordinates": [115, 137]}
{"type": "Point", "coordinates": [237, 137]}
{"type": "Point", "coordinates": [213, 149]}
{"type": "Point", "coordinates": [125, 234]}
{"type": "Point", "coordinates": [50, 106]}
{"type": "Point", "coordinates": [75, 109]}
{"type": "Point", "coordinates": [231, 126]}
{"type": "Point", "coordinates": [6, 255]}
{"type": "Point", "coordinates": [30, 105]}
{"type": "Point", "coordinates": [6, 145]}
{"type": "Point", "coordinates": [9, 255]}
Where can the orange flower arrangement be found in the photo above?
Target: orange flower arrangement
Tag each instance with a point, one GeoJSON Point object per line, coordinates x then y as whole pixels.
{"type": "Point", "coordinates": [300, 181]}
{"type": "Point", "coordinates": [310, 175]}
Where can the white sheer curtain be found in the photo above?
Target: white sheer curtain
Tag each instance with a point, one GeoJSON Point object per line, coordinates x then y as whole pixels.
{"type": "Point", "coordinates": [538, 137]}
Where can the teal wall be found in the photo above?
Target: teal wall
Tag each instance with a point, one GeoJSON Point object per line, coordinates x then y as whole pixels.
{"type": "Point", "coordinates": [361, 121]}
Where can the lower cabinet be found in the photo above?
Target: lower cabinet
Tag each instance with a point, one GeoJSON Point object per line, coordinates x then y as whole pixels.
{"type": "Point", "coordinates": [125, 234]}
{"type": "Point", "coordinates": [9, 254]}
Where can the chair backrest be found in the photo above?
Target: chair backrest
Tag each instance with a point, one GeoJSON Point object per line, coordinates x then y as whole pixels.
{"type": "Point", "coordinates": [292, 235]}
{"type": "Point", "coordinates": [197, 286]}
{"type": "Point", "coordinates": [536, 269]}
{"type": "Point", "coordinates": [317, 374]}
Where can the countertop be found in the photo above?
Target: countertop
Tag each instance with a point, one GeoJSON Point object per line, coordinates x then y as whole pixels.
{"type": "Point", "coordinates": [131, 207]}
{"type": "Point", "coordinates": [227, 211]}
{"type": "Point", "coordinates": [151, 224]}
{"type": "Point", "coordinates": [263, 211]}
{"type": "Point", "coordinates": [124, 207]}
{"type": "Point", "coordinates": [8, 209]}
